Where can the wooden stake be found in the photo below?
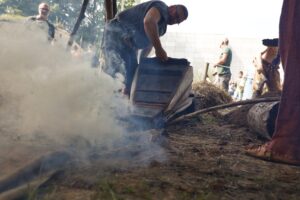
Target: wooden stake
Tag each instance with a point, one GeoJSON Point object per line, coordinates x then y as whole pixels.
{"type": "Point", "coordinates": [218, 107]}
{"type": "Point", "coordinates": [78, 22]}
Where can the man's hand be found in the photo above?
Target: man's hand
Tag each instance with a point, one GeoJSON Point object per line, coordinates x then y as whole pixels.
{"type": "Point", "coordinates": [161, 54]}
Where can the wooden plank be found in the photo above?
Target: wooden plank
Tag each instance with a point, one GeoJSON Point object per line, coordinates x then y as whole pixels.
{"type": "Point", "coordinates": [157, 83]}
{"type": "Point", "coordinates": [185, 83]}
{"type": "Point", "coordinates": [152, 97]}
{"type": "Point", "coordinates": [161, 72]}
{"type": "Point", "coordinates": [144, 111]}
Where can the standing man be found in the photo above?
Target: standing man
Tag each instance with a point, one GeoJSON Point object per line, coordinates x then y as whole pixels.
{"type": "Point", "coordinates": [137, 28]}
{"type": "Point", "coordinates": [42, 20]}
{"type": "Point", "coordinates": [223, 66]}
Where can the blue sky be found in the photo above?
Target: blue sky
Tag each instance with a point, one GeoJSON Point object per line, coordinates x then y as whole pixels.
{"type": "Point", "coordinates": [239, 18]}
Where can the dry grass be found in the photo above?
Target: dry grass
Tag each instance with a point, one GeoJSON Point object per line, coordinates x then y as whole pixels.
{"type": "Point", "coordinates": [208, 95]}
{"type": "Point", "coordinates": [206, 160]}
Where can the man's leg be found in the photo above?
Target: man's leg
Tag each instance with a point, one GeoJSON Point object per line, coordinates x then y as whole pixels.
{"type": "Point", "coordinates": [113, 63]}
{"type": "Point", "coordinates": [130, 60]}
{"type": "Point", "coordinates": [274, 77]}
{"type": "Point", "coordinates": [219, 81]}
{"type": "Point", "coordinates": [225, 81]}
{"type": "Point", "coordinates": [112, 51]}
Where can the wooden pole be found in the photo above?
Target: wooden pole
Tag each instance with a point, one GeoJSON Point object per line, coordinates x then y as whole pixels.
{"type": "Point", "coordinates": [238, 103]}
{"type": "Point", "coordinates": [78, 22]}
{"type": "Point", "coordinates": [111, 9]}
{"type": "Point", "coordinates": [205, 72]}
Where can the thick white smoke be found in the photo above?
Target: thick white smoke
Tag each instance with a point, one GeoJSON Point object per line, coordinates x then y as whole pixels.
{"type": "Point", "coordinates": [45, 92]}
{"type": "Point", "coordinates": [49, 98]}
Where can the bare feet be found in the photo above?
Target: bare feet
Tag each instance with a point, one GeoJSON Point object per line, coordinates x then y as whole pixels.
{"type": "Point", "coordinates": [262, 152]}
{"type": "Point", "coordinates": [265, 152]}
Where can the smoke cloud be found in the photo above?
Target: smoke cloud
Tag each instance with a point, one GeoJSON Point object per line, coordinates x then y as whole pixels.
{"type": "Point", "coordinates": [49, 97]}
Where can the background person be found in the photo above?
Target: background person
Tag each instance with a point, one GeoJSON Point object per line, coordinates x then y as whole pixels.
{"type": "Point", "coordinates": [240, 85]}
{"type": "Point", "coordinates": [42, 20]}
{"type": "Point", "coordinates": [223, 65]}
{"type": "Point", "coordinates": [267, 69]}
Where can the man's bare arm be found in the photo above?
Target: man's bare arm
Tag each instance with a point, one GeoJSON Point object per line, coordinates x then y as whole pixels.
{"type": "Point", "coordinates": [151, 20]}
{"type": "Point", "coordinates": [222, 60]}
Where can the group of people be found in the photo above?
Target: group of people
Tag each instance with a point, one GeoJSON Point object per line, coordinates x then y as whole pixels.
{"type": "Point", "coordinates": [140, 28]}
{"type": "Point", "coordinates": [266, 77]}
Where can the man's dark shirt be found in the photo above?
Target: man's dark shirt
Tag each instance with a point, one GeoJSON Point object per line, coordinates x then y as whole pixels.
{"type": "Point", "coordinates": [51, 28]}
{"type": "Point", "coordinates": [132, 22]}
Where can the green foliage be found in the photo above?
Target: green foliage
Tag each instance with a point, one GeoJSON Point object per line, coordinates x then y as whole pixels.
{"type": "Point", "coordinates": [9, 17]}
{"type": "Point", "coordinates": [13, 11]}
{"type": "Point", "coordinates": [65, 13]}
{"type": "Point", "coordinates": [127, 4]}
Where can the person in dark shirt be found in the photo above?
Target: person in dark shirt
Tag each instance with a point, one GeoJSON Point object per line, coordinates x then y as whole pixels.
{"type": "Point", "coordinates": [42, 20]}
{"type": "Point", "coordinates": [137, 28]}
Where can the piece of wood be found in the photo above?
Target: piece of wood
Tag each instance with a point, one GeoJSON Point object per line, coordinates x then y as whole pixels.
{"type": "Point", "coordinates": [261, 118]}
{"type": "Point", "coordinates": [47, 163]}
{"type": "Point", "coordinates": [78, 22]}
{"type": "Point", "coordinates": [22, 191]}
{"type": "Point", "coordinates": [161, 85]}
{"type": "Point", "coordinates": [110, 9]}
{"type": "Point", "coordinates": [238, 103]}
{"type": "Point", "coordinates": [205, 72]}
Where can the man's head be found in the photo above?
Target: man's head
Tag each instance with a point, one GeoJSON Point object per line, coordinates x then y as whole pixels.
{"type": "Point", "coordinates": [270, 42]}
{"type": "Point", "coordinates": [272, 46]}
{"type": "Point", "coordinates": [177, 14]}
{"type": "Point", "coordinates": [44, 10]}
{"type": "Point", "coordinates": [225, 42]}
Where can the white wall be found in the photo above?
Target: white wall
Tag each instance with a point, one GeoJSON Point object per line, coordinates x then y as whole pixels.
{"type": "Point", "coordinates": [200, 48]}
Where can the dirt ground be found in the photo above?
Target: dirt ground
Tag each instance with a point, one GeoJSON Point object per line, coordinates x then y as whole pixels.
{"type": "Point", "coordinates": [200, 158]}
{"type": "Point", "coordinates": [205, 159]}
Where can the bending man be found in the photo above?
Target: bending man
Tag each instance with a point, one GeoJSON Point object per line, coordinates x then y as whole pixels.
{"type": "Point", "coordinates": [137, 28]}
